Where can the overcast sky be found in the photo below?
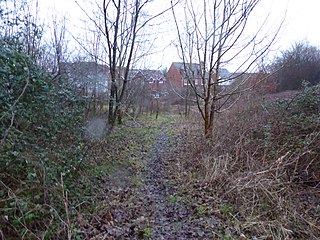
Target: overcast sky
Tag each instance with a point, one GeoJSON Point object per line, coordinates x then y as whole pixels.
{"type": "Point", "coordinates": [302, 21]}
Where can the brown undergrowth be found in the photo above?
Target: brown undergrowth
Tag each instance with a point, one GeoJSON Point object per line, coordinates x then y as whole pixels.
{"type": "Point", "coordinates": [260, 169]}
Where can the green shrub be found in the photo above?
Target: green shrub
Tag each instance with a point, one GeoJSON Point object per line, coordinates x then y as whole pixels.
{"type": "Point", "coordinates": [296, 129]}
{"type": "Point", "coordinates": [41, 141]}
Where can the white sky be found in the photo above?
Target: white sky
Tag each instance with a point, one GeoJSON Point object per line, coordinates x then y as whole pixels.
{"type": "Point", "coordinates": [302, 21]}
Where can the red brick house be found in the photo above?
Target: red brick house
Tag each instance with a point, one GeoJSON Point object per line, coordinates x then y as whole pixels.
{"type": "Point", "coordinates": [154, 80]}
{"type": "Point", "coordinates": [178, 77]}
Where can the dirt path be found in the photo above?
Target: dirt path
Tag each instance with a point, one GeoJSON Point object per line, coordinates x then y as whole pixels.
{"type": "Point", "coordinates": [152, 209]}
{"type": "Point", "coordinates": [166, 216]}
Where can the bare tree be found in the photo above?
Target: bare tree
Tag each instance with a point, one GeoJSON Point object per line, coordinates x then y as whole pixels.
{"type": "Point", "coordinates": [215, 33]}
{"type": "Point", "coordinates": [121, 27]}
{"type": "Point", "coordinates": [298, 64]}
{"type": "Point", "coordinates": [93, 45]}
{"type": "Point", "coordinates": [138, 96]}
{"type": "Point", "coordinates": [59, 43]}
{"type": "Point", "coordinates": [20, 26]}
{"type": "Point", "coordinates": [124, 38]}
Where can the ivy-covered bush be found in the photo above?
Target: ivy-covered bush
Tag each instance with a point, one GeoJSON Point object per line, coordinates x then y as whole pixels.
{"type": "Point", "coordinates": [41, 148]}
{"type": "Point", "coordinates": [295, 128]}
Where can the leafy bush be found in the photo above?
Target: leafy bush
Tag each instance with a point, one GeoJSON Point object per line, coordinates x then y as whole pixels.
{"type": "Point", "coordinates": [296, 130]}
{"type": "Point", "coordinates": [41, 151]}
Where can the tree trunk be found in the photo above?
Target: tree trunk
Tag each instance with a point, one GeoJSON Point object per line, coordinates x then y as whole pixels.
{"type": "Point", "coordinates": [157, 108]}
{"type": "Point", "coordinates": [112, 105]}
{"type": "Point", "coordinates": [186, 112]}
{"type": "Point", "coordinates": [209, 119]}
{"type": "Point", "coordinates": [119, 116]}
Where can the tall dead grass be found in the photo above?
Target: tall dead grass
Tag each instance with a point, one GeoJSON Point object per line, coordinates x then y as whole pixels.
{"type": "Point", "coordinates": [264, 163]}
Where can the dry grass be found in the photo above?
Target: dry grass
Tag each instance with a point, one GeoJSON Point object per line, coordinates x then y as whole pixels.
{"type": "Point", "coordinates": [267, 170]}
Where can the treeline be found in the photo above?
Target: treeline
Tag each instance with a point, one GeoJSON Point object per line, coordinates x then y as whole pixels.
{"type": "Point", "coordinates": [295, 66]}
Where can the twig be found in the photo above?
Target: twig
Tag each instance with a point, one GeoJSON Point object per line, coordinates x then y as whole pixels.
{"type": "Point", "coordinates": [22, 223]}
{"type": "Point", "coordinates": [6, 132]}
{"type": "Point", "coordinates": [65, 198]}
{"type": "Point", "coordinates": [311, 224]}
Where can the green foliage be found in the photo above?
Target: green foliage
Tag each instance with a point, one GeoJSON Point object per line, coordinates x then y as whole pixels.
{"type": "Point", "coordinates": [301, 112]}
{"type": "Point", "coordinates": [202, 209]}
{"type": "Point", "coordinates": [174, 198]}
{"type": "Point", "coordinates": [147, 232]}
{"type": "Point", "coordinates": [294, 129]}
{"type": "Point", "coordinates": [226, 209]}
{"type": "Point", "coordinates": [307, 103]}
{"type": "Point", "coordinates": [41, 141]}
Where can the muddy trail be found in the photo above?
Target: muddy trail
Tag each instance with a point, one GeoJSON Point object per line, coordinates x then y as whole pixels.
{"type": "Point", "coordinates": [148, 204]}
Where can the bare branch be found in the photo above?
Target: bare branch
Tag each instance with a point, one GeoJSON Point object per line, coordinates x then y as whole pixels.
{"type": "Point", "coordinates": [215, 34]}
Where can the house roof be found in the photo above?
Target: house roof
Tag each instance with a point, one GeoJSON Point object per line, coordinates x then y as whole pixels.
{"type": "Point", "coordinates": [192, 66]}
{"type": "Point", "coordinates": [180, 65]}
{"type": "Point", "coordinates": [224, 73]}
{"type": "Point", "coordinates": [149, 74]}
{"type": "Point", "coordinates": [195, 68]}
